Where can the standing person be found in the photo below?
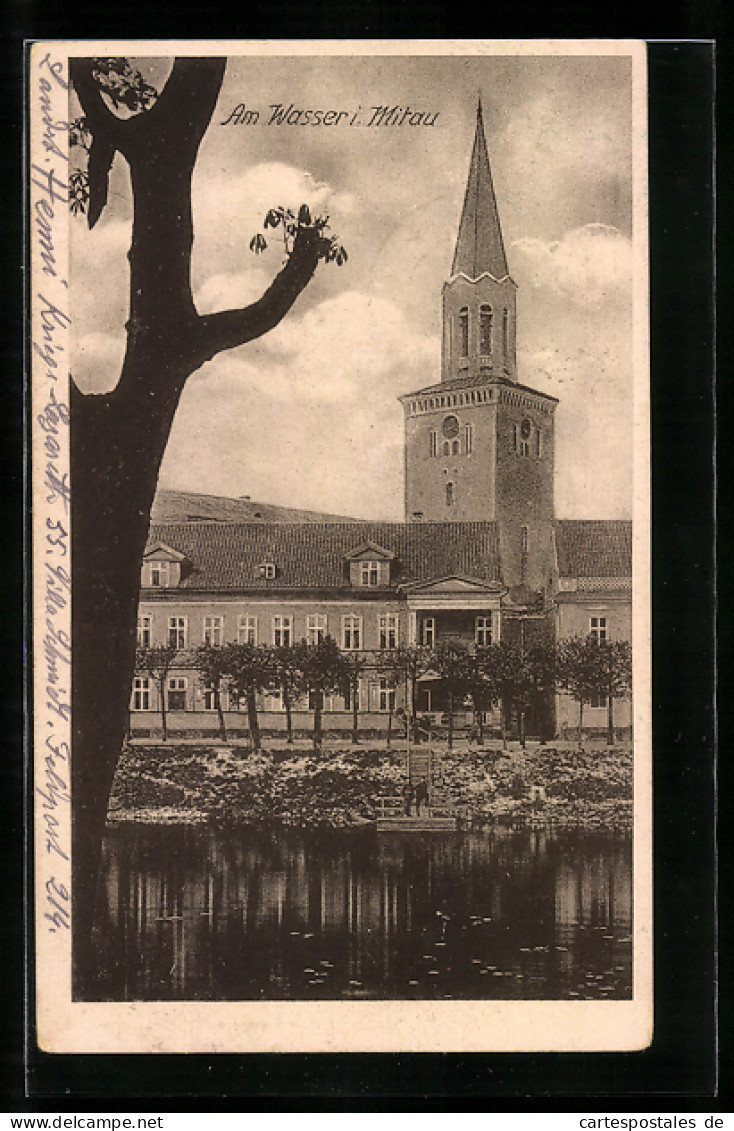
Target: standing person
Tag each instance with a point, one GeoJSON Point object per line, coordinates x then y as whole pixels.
{"type": "Point", "coordinates": [408, 798]}
{"type": "Point", "coordinates": [421, 796]}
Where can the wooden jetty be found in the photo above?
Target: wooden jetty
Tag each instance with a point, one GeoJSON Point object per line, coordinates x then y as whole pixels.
{"type": "Point", "coordinates": [427, 824]}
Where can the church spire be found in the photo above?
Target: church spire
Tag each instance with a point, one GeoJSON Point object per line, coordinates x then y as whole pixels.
{"type": "Point", "coordinates": [479, 246]}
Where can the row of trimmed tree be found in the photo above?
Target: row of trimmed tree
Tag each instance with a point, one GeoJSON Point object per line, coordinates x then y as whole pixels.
{"type": "Point", "coordinates": [504, 675]}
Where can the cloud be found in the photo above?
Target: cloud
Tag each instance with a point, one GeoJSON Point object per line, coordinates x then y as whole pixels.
{"type": "Point", "coordinates": [307, 416]}
{"type": "Point", "coordinates": [227, 291]}
{"type": "Point", "coordinates": [590, 266]}
{"type": "Point", "coordinates": [229, 208]}
{"type": "Point", "coordinates": [97, 360]}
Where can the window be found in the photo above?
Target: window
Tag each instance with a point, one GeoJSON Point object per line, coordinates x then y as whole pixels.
{"type": "Point", "coordinates": [213, 630]}
{"type": "Point", "coordinates": [267, 570]}
{"type": "Point", "coordinates": [483, 631]}
{"type": "Point", "coordinates": [274, 700]}
{"type": "Point", "coordinates": [388, 630]}
{"type": "Point", "coordinates": [598, 628]}
{"type": "Point", "coordinates": [247, 630]}
{"type": "Point", "coordinates": [505, 333]}
{"type": "Point", "coordinates": [428, 631]}
{"type": "Point", "coordinates": [515, 437]}
{"type": "Point", "coordinates": [597, 700]}
{"type": "Point", "coordinates": [469, 438]}
{"type": "Point", "coordinates": [315, 628]}
{"type": "Point", "coordinates": [369, 573]}
{"type": "Point", "coordinates": [433, 442]}
{"type": "Point", "coordinates": [523, 539]}
{"type": "Point", "coordinates": [141, 693]}
{"type": "Point", "coordinates": [177, 693]}
{"type": "Point", "coordinates": [144, 631]}
{"type": "Point", "coordinates": [282, 628]}
{"type": "Point", "coordinates": [159, 574]}
{"type": "Point", "coordinates": [449, 494]}
{"type": "Point", "coordinates": [538, 443]}
{"type": "Point", "coordinates": [348, 697]}
{"type": "Point", "coordinates": [464, 332]}
{"type": "Point", "coordinates": [446, 448]}
{"type": "Point", "coordinates": [454, 447]}
{"type": "Point", "coordinates": [387, 696]}
{"type": "Point", "coordinates": [177, 633]}
{"type": "Point", "coordinates": [485, 330]}
{"type": "Point", "coordinates": [351, 633]}
{"type": "Point", "coordinates": [209, 699]}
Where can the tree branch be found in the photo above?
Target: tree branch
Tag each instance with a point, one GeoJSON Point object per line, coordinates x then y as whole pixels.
{"type": "Point", "coordinates": [188, 98]}
{"type": "Point", "coordinates": [229, 328]}
{"type": "Point", "coordinates": [100, 118]}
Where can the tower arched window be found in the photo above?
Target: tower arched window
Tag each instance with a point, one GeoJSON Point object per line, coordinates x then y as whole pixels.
{"type": "Point", "coordinates": [485, 329]}
{"type": "Point", "coordinates": [454, 447]}
{"type": "Point", "coordinates": [449, 494]}
{"type": "Point", "coordinates": [464, 331]}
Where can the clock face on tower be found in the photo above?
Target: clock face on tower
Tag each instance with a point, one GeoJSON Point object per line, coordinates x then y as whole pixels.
{"type": "Point", "coordinates": [450, 427]}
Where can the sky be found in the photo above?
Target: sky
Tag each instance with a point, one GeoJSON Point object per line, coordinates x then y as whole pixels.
{"type": "Point", "coordinates": [308, 416]}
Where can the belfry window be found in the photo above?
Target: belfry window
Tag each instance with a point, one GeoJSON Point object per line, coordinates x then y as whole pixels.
{"type": "Point", "coordinates": [433, 442]}
{"type": "Point", "coordinates": [505, 333]}
{"type": "Point", "coordinates": [469, 438]}
{"type": "Point", "coordinates": [464, 331]}
{"type": "Point", "coordinates": [485, 330]}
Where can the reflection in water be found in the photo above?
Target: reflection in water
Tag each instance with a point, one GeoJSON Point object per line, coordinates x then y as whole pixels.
{"type": "Point", "coordinates": [251, 915]}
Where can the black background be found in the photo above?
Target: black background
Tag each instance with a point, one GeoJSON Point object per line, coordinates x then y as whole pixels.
{"type": "Point", "coordinates": [678, 1073]}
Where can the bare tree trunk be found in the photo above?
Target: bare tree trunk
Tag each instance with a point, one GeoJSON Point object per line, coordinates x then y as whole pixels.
{"type": "Point", "coordinates": [318, 707]}
{"type": "Point", "coordinates": [479, 718]}
{"type": "Point", "coordinates": [252, 720]}
{"type": "Point", "coordinates": [288, 714]}
{"type": "Point", "coordinates": [581, 722]}
{"type": "Point", "coordinates": [162, 693]}
{"type": "Point", "coordinates": [355, 712]}
{"type": "Point", "coordinates": [451, 719]}
{"type": "Point", "coordinates": [610, 720]}
{"type": "Point", "coordinates": [220, 712]}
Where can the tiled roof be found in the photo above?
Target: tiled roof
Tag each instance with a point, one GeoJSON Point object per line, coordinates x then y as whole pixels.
{"type": "Point", "coordinates": [471, 383]}
{"type": "Point", "coordinates": [190, 506]}
{"type": "Point", "coordinates": [312, 555]}
{"type": "Point", "coordinates": [594, 548]}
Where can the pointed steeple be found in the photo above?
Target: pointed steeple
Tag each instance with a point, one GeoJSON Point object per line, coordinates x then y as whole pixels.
{"type": "Point", "coordinates": [479, 246]}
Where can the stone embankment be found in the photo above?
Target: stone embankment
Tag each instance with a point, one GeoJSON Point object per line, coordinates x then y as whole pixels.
{"type": "Point", "coordinates": [588, 788]}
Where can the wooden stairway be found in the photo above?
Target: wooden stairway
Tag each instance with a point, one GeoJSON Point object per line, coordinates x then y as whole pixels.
{"type": "Point", "coordinates": [420, 765]}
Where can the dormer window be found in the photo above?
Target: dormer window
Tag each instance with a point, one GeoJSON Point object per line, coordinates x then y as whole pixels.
{"type": "Point", "coordinates": [369, 573]}
{"type": "Point", "coordinates": [160, 575]}
{"type": "Point", "coordinates": [163, 567]}
{"type": "Point", "coordinates": [369, 566]}
{"type": "Point", "coordinates": [267, 570]}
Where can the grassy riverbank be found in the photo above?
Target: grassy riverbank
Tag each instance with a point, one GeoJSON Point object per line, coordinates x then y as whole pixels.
{"type": "Point", "coordinates": [588, 788]}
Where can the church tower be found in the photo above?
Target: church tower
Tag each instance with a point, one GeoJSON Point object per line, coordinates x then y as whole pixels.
{"type": "Point", "coordinates": [479, 446]}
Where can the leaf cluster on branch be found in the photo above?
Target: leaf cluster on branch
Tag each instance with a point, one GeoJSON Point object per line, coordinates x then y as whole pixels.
{"type": "Point", "coordinates": [328, 247]}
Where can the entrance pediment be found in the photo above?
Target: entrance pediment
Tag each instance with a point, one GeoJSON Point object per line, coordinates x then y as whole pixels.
{"type": "Point", "coordinates": [455, 585]}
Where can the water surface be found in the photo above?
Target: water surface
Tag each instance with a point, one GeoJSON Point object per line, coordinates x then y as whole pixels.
{"type": "Point", "coordinates": [195, 914]}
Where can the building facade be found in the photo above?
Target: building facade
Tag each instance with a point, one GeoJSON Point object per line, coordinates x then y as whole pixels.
{"type": "Point", "coordinates": [480, 553]}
